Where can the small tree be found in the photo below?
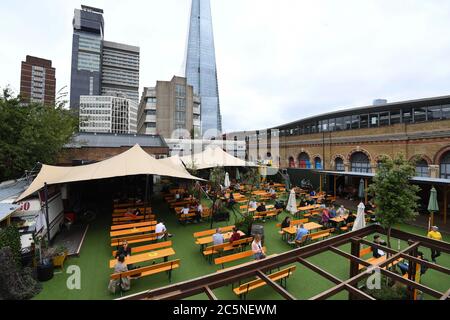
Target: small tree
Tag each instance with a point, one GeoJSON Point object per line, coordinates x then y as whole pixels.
{"type": "Point", "coordinates": [395, 197]}
{"type": "Point", "coordinates": [216, 178]}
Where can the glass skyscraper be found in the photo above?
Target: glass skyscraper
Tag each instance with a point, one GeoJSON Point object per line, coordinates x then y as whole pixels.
{"type": "Point", "coordinates": [201, 70]}
{"type": "Point", "coordinates": [85, 79]}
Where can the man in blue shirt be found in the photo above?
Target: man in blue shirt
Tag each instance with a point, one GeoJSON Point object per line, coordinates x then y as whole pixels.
{"type": "Point", "coordinates": [301, 231]}
{"type": "Point", "coordinates": [217, 237]}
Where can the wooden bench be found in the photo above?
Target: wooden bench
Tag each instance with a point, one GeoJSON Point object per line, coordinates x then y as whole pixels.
{"type": "Point", "coordinates": [183, 218]}
{"type": "Point", "coordinates": [147, 237]}
{"type": "Point", "coordinates": [227, 246]}
{"type": "Point", "coordinates": [281, 275]}
{"type": "Point", "coordinates": [130, 205]}
{"type": "Point", "coordinates": [314, 236]}
{"type": "Point", "coordinates": [117, 212]}
{"type": "Point", "coordinates": [148, 247]}
{"type": "Point", "coordinates": [372, 260]}
{"type": "Point", "coordinates": [129, 219]}
{"type": "Point", "coordinates": [234, 257]}
{"type": "Point", "coordinates": [266, 214]}
{"type": "Point", "coordinates": [148, 270]}
{"type": "Point", "coordinates": [133, 225]}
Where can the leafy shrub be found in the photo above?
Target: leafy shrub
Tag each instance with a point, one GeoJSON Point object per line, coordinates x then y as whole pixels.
{"type": "Point", "coordinates": [10, 237]}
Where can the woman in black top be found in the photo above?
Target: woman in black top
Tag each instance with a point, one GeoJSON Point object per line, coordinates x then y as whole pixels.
{"type": "Point", "coordinates": [124, 250]}
{"type": "Point", "coordinates": [286, 223]}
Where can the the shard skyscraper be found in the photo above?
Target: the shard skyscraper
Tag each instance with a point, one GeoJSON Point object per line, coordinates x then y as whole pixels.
{"type": "Point", "coordinates": [201, 70]}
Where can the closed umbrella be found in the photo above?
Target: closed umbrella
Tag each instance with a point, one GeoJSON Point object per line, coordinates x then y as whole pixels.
{"type": "Point", "coordinates": [227, 180]}
{"type": "Point", "coordinates": [238, 175]}
{"type": "Point", "coordinates": [360, 221]}
{"type": "Point", "coordinates": [361, 189]}
{"type": "Point", "coordinates": [433, 205]}
{"type": "Point", "coordinates": [292, 203]}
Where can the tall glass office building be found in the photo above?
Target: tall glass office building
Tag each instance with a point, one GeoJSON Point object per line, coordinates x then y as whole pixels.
{"type": "Point", "coordinates": [201, 70]}
{"type": "Point", "coordinates": [88, 25]}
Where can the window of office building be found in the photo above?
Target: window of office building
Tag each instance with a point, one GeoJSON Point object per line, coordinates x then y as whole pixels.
{"type": "Point", "coordinates": [420, 114]}
{"type": "Point", "coordinates": [422, 168]}
{"type": "Point", "coordinates": [340, 124]}
{"type": "Point", "coordinates": [303, 160]}
{"type": "Point", "coordinates": [445, 166]}
{"type": "Point", "coordinates": [348, 122]}
{"type": "Point", "coordinates": [180, 90]}
{"type": "Point", "coordinates": [339, 164]}
{"type": "Point", "coordinates": [384, 118]}
{"type": "Point", "coordinates": [360, 162]}
{"type": "Point", "coordinates": [373, 120]}
{"type": "Point", "coordinates": [355, 121]}
{"type": "Point", "coordinates": [446, 111]}
{"type": "Point", "coordinates": [395, 117]}
{"type": "Point", "coordinates": [434, 113]}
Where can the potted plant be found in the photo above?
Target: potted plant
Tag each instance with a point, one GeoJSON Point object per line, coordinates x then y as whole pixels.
{"type": "Point", "coordinates": [44, 264]}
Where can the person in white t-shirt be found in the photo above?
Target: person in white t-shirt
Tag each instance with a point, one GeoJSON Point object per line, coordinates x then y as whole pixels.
{"type": "Point", "coordinates": [161, 228]}
{"type": "Point", "coordinates": [185, 210]}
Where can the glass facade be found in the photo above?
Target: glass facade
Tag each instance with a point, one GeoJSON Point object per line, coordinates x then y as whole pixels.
{"type": "Point", "coordinates": [201, 70]}
{"type": "Point", "coordinates": [371, 120]}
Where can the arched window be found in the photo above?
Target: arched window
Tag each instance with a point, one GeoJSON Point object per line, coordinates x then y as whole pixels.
{"type": "Point", "coordinates": [303, 161]}
{"type": "Point", "coordinates": [339, 164]}
{"type": "Point", "coordinates": [291, 162]}
{"type": "Point", "coordinates": [360, 162]}
{"type": "Point", "coordinates": [422, 168]}
{"type": "Point", "coordinates": [317, 163]}
{"type": "Point", "coordinates": [445, 166]}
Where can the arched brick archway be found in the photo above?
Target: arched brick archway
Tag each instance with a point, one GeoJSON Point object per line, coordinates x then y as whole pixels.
{"type": "Point", "coordinates": [421, 157]}
{"type": "Point", "coordinates": [313, 161]}
{"type": "Point", "coordinates": [305, 153]}
{"type": "Point", "coordinates": [291, 161]}
{"type": "Point", "coordinates": [356, 150]}
{"type": "Point", "coordinates": [440, 153]}
{"type": "Point", "coordinates": [333, 161]}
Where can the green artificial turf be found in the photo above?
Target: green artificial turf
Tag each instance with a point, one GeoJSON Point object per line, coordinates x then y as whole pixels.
{"type": "Point", "coordinates": [96, 253]}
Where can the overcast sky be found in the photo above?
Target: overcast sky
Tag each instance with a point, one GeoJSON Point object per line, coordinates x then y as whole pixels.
{"type": "Point", "coordinates": [277, 61]}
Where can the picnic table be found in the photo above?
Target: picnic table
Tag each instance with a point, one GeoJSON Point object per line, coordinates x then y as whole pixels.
{"type": "Point", "coordinates": [146, 256]}
{"type": "Point", "coordinates": [310, 226]}
{"type": "Point", "coordinates": [131, 231]}
{"type": "Point", "coordinates": [339, 219]}
{"type": "Point", "coordinates": [133, 225]}
{"type": "Point", "coordinates": [209, 239]}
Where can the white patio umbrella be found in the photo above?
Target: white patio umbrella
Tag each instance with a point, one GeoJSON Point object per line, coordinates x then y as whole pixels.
{"type": "Point", "coordinates": [226, 183]}
{"type": "Point", "coordinates": [360, 221]}
{"type": "Point", "coordinates": [292, 203]}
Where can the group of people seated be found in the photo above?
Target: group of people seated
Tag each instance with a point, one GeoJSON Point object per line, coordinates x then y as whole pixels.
{"type": "Point", "coordinates": [330, 212]}
{"type": "Point", "coordinates": [197, 206]}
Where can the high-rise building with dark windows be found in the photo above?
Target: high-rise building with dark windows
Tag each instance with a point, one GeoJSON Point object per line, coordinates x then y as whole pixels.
{"type": "Point", "coordinates": [201, 71]}
{"type": "Point", "coordinates": [88, 27]}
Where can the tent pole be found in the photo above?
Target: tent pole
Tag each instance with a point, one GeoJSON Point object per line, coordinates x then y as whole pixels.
{"type": "Point", "coordinates": [46, 211]}
{"type": "Point", "coordinates": [334, 185]}
{"type": "Point", "coordinates": [445, 204]}
{"type": "Point", "coordinates": [146, 195]}
{"type": "Point", "coordinates": [365, 191]}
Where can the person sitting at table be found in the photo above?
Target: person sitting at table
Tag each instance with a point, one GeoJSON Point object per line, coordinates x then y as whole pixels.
{"type": "Point", "coordinates": [252, 204]}
{"type": "Point", "coordinates": [185, 209]}
{"type": "Point", "coordinates": [123, 282]}
{"type": "Point", "coordinates": [123, 249]}
{"type": "Point", "coordinates": [273, 193]}
{"type": "Point", "coordinates": [261, 207]}
{"type": "Point", "coordinates": [198, 211]}
{"type": "Point", "coordinates": [378, 252]}
{"type": "Point", "coordinates": [350, 218]}
{"type": "Point", "coordinates": [218, 237]}
{"type": "Point", "coordinates": [231, 200]}
{"type": "Point", "coordinates": [301, 231]}
{"type": "Point", "coordinates": [237, 187]}
{"type": "Point", "coordinates": [404, 265]}
{"type": "Point", "coordinates": [286, 223]}
{"type": "Point", "coordinates": [161, 228]}
{"type": "Point", "coordinates": [332, 211]}
{"type": "Point", "coordinates": [325, 217]}
{"type": "Point", "coordinates": [235, 236]}
{"type": "Point", "coordinates": [177, 196]}
{"type": "Point", "coordinates": [258, 251]}
{"type": "Point", "coordinates": [313, 193]}
{"type": "Point", "coordinates": [341, 211]}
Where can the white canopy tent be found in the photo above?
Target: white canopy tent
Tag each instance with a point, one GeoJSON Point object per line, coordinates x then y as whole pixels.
{"type": "Point", "coordinates": [174, 161]}
{"type": "Point", "coordinates": [213, 156]}
{"type": "Point", "coordinates": [134, 161]}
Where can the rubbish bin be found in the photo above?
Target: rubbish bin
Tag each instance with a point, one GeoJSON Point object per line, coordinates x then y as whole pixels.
{"type": "Point", "coordinates": [45, 270]}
